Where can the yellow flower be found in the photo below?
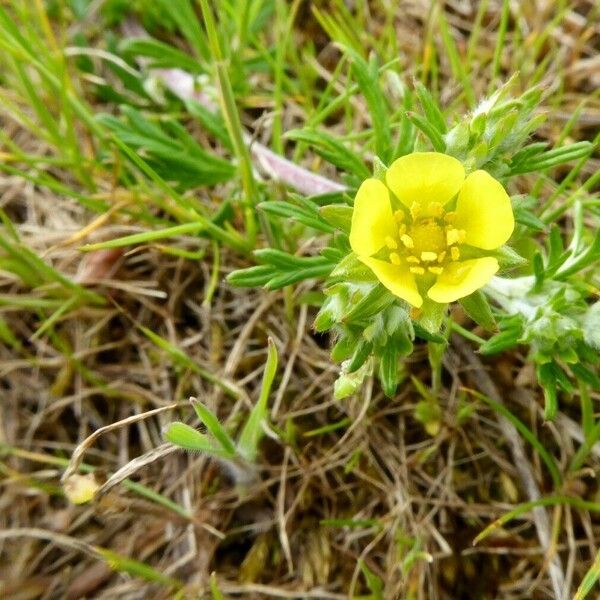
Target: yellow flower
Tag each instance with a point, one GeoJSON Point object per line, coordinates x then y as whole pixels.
{"type": "Point", "coordinates": [416, 248]}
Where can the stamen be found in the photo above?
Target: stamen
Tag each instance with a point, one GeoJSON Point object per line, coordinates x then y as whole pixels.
{"type": "Point", "coordinates": [436, 270]}
{"type": "Point", "coordinates": [441, 256]}
{"type": "Point", "coordinates": [435, 209]}
{"type": "Point", "coordinates": [454, 253]}
{"type": "Point", "coordinates": [412, 259]}
{"type": "Point", "coordinates": [399, 216]}
{"type": "Point", "coordinates": [417, 270]}
{"type": "Point", "coordinates": [415, 210]}
{"type": "Point", "coordinates": [391, 243]}
{"type": "Point", "coordinates": [395, 258]}
{"type": "Point", "coordinates": [452, 236]}
{"type": "Point", "coordinates": [402, 229]}
{"type": "Point", "coordinates": [450, 217]}
{"type": "Point", "coordinates": [407, 241]}
{"type": "Point", "coordinates": [429, 256]}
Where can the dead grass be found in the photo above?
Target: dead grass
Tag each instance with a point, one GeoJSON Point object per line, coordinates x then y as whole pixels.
{"type": "Point", "coordinates": [379, 490]}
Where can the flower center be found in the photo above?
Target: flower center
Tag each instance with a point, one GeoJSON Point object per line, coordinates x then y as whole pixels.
{"type": "Point", "coordinates": [427, 242]}
{"type": "Point", "coordinates": [427, 236]}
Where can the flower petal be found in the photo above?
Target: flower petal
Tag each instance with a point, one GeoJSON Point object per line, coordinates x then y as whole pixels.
{"type": "Point", "coordinates": [460, 279]}
{"type": "Point", "coordinates": [425, 177]}
{"type": "Point", "coordinates": [372, 218]}
{"type": "Point", "coordinates": [484, 211]}
{"type": "Point", "coordinates": [396, 278]}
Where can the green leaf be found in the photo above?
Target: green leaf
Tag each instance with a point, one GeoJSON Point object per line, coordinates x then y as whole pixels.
{"type": "Point", "coordinates": [135, 568]}
{"type": "Point", "coordinates": [478, 308]}
{"type": "Point", "coordinates": [338, 215]}
{"type": "Point", "coordinates": [367, 77]}
{"type": "Point", "coordinates": [374, 583]}
{"type": "Point", "coordinates": [547, 378]}
{"type": "Point", "coordinates": [213, 425]}
{"type": "Point", "coordinates": [287, 210]}
{"type": "Point", "coordinates": [347, 383]}
{"type": "Point", "coordinates": [211, 121]}
{"type": "Point", "coordinates": [169, 150]}
{"type": "Point", "coordinates": [332, 150]}
{"type": "Point", "coordinates": [525, 217]}
{"type": "Point", "coordinates": [214, 588]}
{"type": "Point", "coordinates": [434, 136]}
{"type": "Point", "coordinates": [374, 302]}
{"type": "Point", "coordinates": [179, 357]}
{"type": "Point", "coordinates": [430, 107]}
{"type": "Point", "coordinates": [163, 55]}
{"type": "Point", "coordinates": [305, 272]}
{"type": "Point", "coordinates": [187, 437]}
{"type": "Point", "coordinates": [362, 352]}
{"type": "Point", "coordinates": [426, 335]}
{"type": "Point", "coordinates": [501, 342]}
{"type": "Point", "coordinates": [256, 276]}
{"type": "Point", "coordinates": [552, 158]}
{"type": "Point", "coordinates": [352, 269]}
{"type": "Point", "coordinates": [508, 258]}
{"type": "Point", "coordinates": [432, 315]}
{"type": "Point", "coordinates": [182, 12]}
{"type": "Point", "coordinates": [527, 434]}
{"type": "Point", "coordinates": [589, 580]}
{"type": "Point", "coordinates": [389, 369]}
{"type": "Point", "coordinates": [252, 431]}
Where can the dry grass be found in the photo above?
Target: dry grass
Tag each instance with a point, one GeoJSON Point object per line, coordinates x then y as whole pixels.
{"type": "Point", "coordinates": [379, 490]}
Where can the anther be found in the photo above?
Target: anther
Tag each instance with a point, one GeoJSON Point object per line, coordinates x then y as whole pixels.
{"type": "Point", "coordinates": [417, 270]}
{"type": "Point", "coordinates": [441, 256]}
{"type": "Point", "coordinates": [452, 236]}
{"type": "Point", "coordinates": [429, 256]}
{"type": "Point", "coordinates": [435, 270]}
{"type": "Point", "coordinates": [401, 229]}
{"type": "Point", "coordinates": [407, 241]}
{"type": "Point", "coordinates": [399, 216]}
{"type": "Point", "coordinates": [415, 210]}
{"type": "Point", "coordinates": [412, 259]}
{"type": "Point", "coordinates": [454, 253]}
{"type": "Point", "coordinates": [395, 258]}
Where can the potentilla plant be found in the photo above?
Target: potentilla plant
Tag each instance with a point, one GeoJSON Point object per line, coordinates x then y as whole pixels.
{"type": "Point", "coordinates": [434, 227]}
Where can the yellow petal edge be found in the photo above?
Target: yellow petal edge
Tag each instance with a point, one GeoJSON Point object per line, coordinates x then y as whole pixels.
{"type": "Point", "coordinates": [424, 177]}
{"type": "Point", "coordinates": [372, 218]}
{"type": "Point", "coordinates": [484, 211]}
{"type": "Point", "coordinates": [398, 279]}
{"type": "Point", "coordinates": [462, 278]}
